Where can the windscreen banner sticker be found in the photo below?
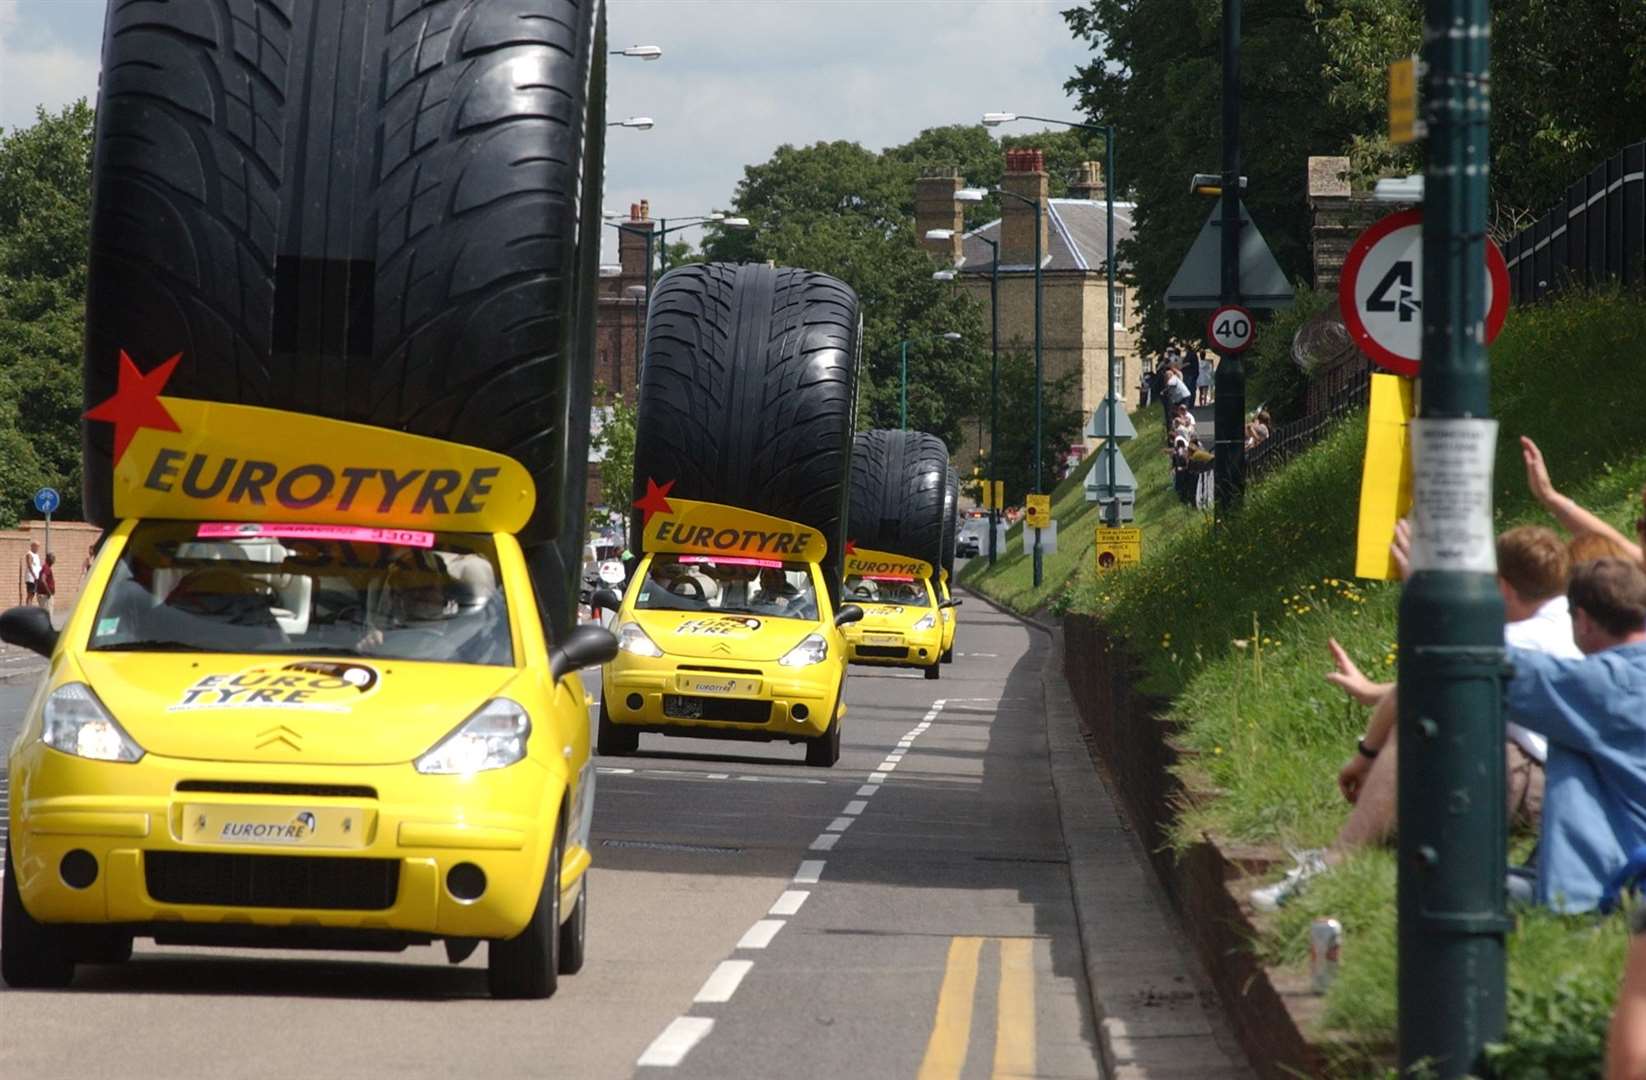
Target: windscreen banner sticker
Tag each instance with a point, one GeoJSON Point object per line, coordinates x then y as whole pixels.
{"type": "Point", "coordinates": [310, 685]}
{"type": "Point", "coordinates": [884, 564]}
{"type": "Point", "coordinates": [360, 534]}
{"type": "Point", "coordinates": [719, 626]}
{"type": "Point", "coordinates": [209, 461]}
{"type": "Point", "coordinates": [704, 528]}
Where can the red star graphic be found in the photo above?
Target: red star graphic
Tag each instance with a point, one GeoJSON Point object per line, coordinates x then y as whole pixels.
{"type": "Point", "coordinates": [136, 404]}
{"type": "Point", "coordinates": [655, 501]}
{"type": "Point", "coordinates": [851, 547]}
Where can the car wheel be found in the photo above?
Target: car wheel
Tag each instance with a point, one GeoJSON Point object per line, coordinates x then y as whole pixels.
{"type": "Point", "coordinates": [935, 671]}
{"type": "Point", "coordinates": [822, 751]}
{"type": "Point", "coordinates": [611, 740]}
{"type": "Point", "coordinates": [574, 932]}
{"type": "Point", "coordinates": [99, 945]}
{"type": "Point", "coordinates": [528, 964]}
{"type": "Point", "coordinates": [948, 656]}
{"type": "Point", "coordinates": [31, 953]}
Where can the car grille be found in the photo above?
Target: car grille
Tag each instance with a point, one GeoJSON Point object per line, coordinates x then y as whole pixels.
{"type": "Point", "coordinates": [721, 670]}
{"type": "Point", "coordinates": [303, 791]}
{"type": "Point", "coordinates": [890, 652]}
{"type": "Point", "coordinates": [271, 881]}
{"type": "Point", "coordinates": [728, 710]}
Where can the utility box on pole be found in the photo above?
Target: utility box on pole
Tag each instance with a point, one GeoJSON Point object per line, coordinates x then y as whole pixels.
{"type": "Point", "coordinates": [1451, 781]}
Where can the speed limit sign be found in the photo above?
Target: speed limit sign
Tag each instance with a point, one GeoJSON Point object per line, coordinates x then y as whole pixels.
{"type": "Point", "coordinates": [1230, 329]}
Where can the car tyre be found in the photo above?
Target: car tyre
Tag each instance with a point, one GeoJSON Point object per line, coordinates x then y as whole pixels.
{"type": "Point", "coordinates": [610, 740]}
{"type": "Point", "coordinates": [935, 671]}
{"type": "Point", "coordinates": [32, 956]}
{"type": "Point", "coordinates": [822, 751]}
{"type": "Point", "coordinates": [100, 945]}
{"type": "Point", "coordinates": [899, 485]}
{"type": "Point", "coordinates": [528, 964]}
{"type": "Point", "coordinates": [948, 656]}
{"type": "Point", "coordinates": [574, 932]}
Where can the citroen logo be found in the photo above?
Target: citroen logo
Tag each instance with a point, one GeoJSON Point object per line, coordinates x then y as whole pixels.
{"type": "Point", "coordinates": [722, 647]}
{"type": "Point", "coordinates": [281, 734]}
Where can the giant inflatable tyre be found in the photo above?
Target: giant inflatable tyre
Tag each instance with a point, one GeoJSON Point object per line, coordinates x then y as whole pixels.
{"type": "Point", "coordinates": [747, 394]}
{"type": "Point", "coordinates": [384, 212]}
{"type": "Point", "coordinates": [951, 520]}
{"type": "Point", "coordinates": [899, 484]}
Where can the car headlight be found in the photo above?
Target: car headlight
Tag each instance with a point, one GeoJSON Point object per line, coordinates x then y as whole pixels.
{"type": "Point", "coordinates": [495, 736]}
{"type": "Point", "coordinates": [631, 637]}
{"type": "Point", "coordinates": [76, 723]}
{"type": "Point", "coordinates": [813, 649]}
{"type": "Point", "coordinates": [926, 622]}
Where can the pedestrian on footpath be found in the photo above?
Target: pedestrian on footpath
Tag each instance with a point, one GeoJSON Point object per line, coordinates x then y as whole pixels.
{"type": "Point", "coordinates": [45, 586]}
{"type": "Point", "coordinates": [31, 571]}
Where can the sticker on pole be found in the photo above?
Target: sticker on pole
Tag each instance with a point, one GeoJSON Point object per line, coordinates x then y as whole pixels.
{"type": "Point", "coordinates": [1230, 329]}
{"type": "Point", "coordinates": [1452, 495]}
{"type": "Point", "coordinates": [1381, 292]}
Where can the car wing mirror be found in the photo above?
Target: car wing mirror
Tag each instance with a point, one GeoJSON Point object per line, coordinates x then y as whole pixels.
{"type": "Point", "coordinates": [586, 646]}
{"type": "Point", "coordinates": [605, 598]}
{"type": "Point", "coordinates": [848, 613]}
{"type": "Point", "coordinates": [29, 627]}
{"type": "Point", "coordinates": [949, 603]}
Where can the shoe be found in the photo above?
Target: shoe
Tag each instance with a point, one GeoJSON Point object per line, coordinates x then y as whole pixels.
{"type": "Point", "coordinates": [1274, 897]}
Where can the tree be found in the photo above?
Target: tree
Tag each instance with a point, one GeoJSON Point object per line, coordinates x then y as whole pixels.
{"type": "Point", "coordinates": [1061, 421]}
{"type": "Point", "coordinates": [45, 207]}
{"type": "Point", "coordinates": [613, 445]}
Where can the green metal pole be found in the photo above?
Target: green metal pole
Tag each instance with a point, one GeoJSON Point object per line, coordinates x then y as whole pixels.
{"type": "Point", "coordinates": [663, 246]}
{"type": "Point", "coordinates": [1229, 416]}
{"type": "Point", "coordinates": [903, 350]}
{"type": "Point", "coordinates": [994, 390]}
{"type": "Point", "coordinates": [1451, 786]}
{"type": "Point", "coordinates": [1112, 514]}
{"type": "Point", "coordinates": [1039, 438]}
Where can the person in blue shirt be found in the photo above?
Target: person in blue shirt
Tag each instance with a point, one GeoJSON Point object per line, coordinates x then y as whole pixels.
{"type": "Point", "coordinates": [1593, 712]}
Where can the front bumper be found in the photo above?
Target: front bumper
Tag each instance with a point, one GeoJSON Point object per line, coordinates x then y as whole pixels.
{"type": "Point", "coordinates": [141, 824]}
{"type": "Point", "coordinates": [771, 701]}
{"type": "Point", "coordinates": [911, 648]}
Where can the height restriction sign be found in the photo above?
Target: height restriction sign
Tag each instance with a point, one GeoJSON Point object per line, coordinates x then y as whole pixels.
{"type": "Point", "coordinates": [1381, 292]}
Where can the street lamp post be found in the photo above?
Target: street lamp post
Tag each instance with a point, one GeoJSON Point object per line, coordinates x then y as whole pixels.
{"type": "Point", "coordinates": [1111, 403]}
{"type": "Point", "coordinates": [994, 370]}
{"type": "Point", "coordinates": [903, 352]}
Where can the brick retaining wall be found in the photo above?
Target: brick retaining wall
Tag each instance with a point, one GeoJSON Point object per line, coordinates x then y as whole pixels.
{"type": "Point", "coordinates": [70, 540]}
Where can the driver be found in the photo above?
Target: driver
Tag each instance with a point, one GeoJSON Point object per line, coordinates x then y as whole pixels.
{"type": "Point", "coordinates": [776, 595]}
{"type": "Point", "coordinates": [416, 592]}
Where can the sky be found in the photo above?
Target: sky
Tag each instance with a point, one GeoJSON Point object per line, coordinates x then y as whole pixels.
{"type": "Point", "coordinates": [738, 78]}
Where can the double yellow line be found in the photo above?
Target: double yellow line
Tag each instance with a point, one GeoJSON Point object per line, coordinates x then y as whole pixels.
{"type": "Point", "coordinates": [1014, 1011]}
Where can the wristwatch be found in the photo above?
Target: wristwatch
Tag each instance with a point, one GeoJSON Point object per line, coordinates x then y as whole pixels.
{"type": "Point", "coordinates": [1365, 751]}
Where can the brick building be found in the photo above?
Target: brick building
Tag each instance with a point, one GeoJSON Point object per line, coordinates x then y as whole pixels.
{"type": "Point", "coordinates": [620, 325]}
{"type": "Point", "coordinates": [1074, 242]}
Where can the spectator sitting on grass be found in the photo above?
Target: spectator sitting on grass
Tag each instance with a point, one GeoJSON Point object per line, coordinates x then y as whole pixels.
{"type": "Point", "coordinates": [1533, 566]}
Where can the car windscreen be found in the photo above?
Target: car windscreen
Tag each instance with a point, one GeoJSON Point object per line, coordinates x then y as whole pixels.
{"type": "Point", "coordinates": [183, 586]}
{"type": "Point", "coordinates": [746, 586]}
{"type": "Point", "coordinates": [877, 589]}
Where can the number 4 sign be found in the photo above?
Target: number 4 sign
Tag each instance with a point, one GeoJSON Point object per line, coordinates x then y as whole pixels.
{"type": "Point", "coordinates": [1230, 329]}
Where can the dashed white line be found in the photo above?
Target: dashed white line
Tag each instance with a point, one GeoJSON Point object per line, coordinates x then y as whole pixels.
{"type": "Point", "coordinates": [809, 873]}
{"type": "Point", "coordinates": [670, 1048]}
{"type": "Point", "coordinates": [840, 824]}
{"type": "Point", "coordinates": [789, 903]}
{"type": "Point", "coordinates": [856, 806]}
{"type": "Point", "coordinates": [721, 985]}
{"type": "Point", "coordinates": [885, 767]}
{"type": "Point", "coordinates": [826, 842]}
{"type": "Point", "coordinates": [760, 934]}
{"type": "Point", "coordinates": [867, 789]}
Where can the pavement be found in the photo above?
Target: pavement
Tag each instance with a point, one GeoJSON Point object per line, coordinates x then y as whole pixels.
{"type": "Point", "coordinates": [956, 898]}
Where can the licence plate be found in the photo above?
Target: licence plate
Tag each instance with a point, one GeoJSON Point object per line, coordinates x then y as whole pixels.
{"type": "Point", "coordinates": [709, 684]}
{"type": "Point", "coordinates": [276, 826]}
{"type": "Point", "coordinates": [882, 639]}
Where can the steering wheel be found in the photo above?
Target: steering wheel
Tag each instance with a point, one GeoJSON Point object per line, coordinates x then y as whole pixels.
{"type": "Point", "coordinates": [697, 587]}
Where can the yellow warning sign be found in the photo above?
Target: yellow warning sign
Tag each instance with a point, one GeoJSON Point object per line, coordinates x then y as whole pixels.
{"type": "Point", "coordinates": [1039, 511]}
{"type": "Point", "coordinates": [1404, 125]}
{"type": "Point", "coordinates": [994, 494]}
{"type": "Point", "coordinates": [1118, 547]}
{"type": "Point", "coordinates": [1386, 477]}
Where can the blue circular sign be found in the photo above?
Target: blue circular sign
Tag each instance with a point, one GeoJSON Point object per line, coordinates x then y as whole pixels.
{"type": "Point", "coordinates": [46, 500]}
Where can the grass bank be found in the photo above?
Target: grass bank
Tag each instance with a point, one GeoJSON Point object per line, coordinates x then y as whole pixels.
{"type": "Point", "coordinates": [1231, 624]}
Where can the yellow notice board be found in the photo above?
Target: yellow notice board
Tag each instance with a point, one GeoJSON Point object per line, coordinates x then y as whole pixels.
{"type": "Point", "coordinates": [1404, 126]}
{"type": "Point", "coordinates": [1386, 478]}
{"type": "Point", "coordinates": [994, 494]}
{"type": "Point", "coordinates": [1118, 547]}
{"type": "Point", "coordinates": [1039, 509]}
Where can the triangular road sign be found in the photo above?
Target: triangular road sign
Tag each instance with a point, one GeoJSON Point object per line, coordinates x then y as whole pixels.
{"type": "Point", "coordinates": [1098, 428]}
{"type": "Point", "coordinates": [1097, 479]}
{"type": "Point", "coordinates": [1198, 284]}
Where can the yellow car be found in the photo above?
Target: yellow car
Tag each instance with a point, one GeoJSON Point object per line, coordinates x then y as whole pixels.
{"type": "Point", "coordinates": [903, 616]}
{"type": "Point", "coordinates": [726, 630]}
{"type": "Point", "coordinates": [287, 732]}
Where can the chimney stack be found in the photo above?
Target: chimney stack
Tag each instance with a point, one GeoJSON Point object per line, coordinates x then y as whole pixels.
{"type": "Point", "coordinates": [631, 240]}
{"type": "Point", "coordinates": [935, 208]}
{"type": "Point", "coordinates": [1088, 183]}
{"type": "Point", "coordinates": [1025, 176]}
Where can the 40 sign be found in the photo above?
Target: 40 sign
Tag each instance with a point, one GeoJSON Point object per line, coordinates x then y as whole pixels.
{"type": "Point", "coordinates": [1381, 292]}
{"type": "Point", "coordinates": [1231, 329]}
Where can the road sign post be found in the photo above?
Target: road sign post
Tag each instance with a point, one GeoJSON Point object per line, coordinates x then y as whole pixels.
{"type": "Point", "coordinates": [1451, 778]}
{"type": "Point", "coordinates": [1230, 408]}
